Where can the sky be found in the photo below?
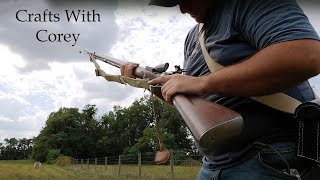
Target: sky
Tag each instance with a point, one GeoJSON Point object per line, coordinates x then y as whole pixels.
{"type": "Point", "coordinates": [37, 78]}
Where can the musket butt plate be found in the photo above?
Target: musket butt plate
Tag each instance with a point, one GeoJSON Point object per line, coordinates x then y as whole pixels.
{"type": "Point", "coordinates": [220, 134]}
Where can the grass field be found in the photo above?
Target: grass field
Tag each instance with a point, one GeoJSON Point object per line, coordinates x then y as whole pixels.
{"type": "Point", "coordinates": [12, 170]}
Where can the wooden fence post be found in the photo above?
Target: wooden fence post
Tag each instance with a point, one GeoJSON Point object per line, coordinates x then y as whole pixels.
{"type": "Point", "coordinates": [119, 165]}
{"type": "Point", "coordinates": [88, 163]}
{"type": "Point", "coordinates": [72, 163]}
{"type": "Point", "coordinates": [105, 163]}
{"type": "Point", "coordinates": [81, 163]}
{"type": "Point", "coordinates": [95, 163]}
{"type": "Point", "coordinates": [139, 163]}
{"type": "Point", "coordinates": [77, 163]}
{"type": "Point", "coordinates": [171, 164]}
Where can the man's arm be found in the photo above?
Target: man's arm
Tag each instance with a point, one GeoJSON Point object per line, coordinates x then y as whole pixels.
{"type": "Point", "coordinates": [287, 56]}
{"type": "Point", "coordinates": [273, 69]}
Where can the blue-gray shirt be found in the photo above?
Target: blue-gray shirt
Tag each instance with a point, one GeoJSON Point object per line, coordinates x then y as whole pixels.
{"type": "Point", "coordinates": [236, 30]}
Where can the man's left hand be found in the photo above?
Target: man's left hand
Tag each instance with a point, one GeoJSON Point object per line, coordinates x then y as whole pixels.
{"type": "Point", "coordinates": [176, 84]}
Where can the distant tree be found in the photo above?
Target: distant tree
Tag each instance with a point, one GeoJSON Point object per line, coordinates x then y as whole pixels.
{"type": "Point", "coordinates": [173, 131]}
{"type": "Point", "coordinates": [24, 148]}
{"type": "Point", "coordinates": [124, 130]}
{"type": "Point", "coordinates": [14, 149]}
{"type": "Point", "coordinates": [62, 131]}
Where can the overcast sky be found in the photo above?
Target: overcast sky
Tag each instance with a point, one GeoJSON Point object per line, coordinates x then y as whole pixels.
{"type": "Point", "coordinates": [37, 78]}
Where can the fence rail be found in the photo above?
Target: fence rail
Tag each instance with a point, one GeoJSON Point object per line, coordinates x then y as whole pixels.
{"type": "Point", "coordinates": [181, 165]}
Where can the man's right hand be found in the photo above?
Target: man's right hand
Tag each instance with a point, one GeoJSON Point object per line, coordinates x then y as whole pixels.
{"type": "Point", "coordinates": [128, 68]}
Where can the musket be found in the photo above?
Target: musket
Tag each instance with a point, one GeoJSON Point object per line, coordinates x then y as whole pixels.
{"type": "Point", "coordinates": [211, 124]}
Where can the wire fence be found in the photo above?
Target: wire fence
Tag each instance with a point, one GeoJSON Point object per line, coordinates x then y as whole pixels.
{"type": "Point", "coordinates": [181, 165]}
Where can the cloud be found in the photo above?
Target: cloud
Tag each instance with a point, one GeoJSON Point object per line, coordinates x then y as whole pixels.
{"type": "Point", "coordinates": [12, 106]}
{"type": "Point", "coordinates": [25, 126]}
{"type": "Point", "coordinates": [151, 35]}
{"type": "Point", "coordinates": [21, 38]}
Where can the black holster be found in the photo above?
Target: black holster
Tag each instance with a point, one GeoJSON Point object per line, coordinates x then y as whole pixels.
{"type": "Point", "coordinates": [308, 123]}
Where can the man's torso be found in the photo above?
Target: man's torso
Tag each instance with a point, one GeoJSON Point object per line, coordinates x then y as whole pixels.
{"type": "Point", "coordinates": [229, 41]}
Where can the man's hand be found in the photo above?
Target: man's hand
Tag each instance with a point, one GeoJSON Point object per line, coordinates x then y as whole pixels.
{"type": "Point", "coordinates": [174, 84]}
{"type": "Point", "coordinates": [128, 68]}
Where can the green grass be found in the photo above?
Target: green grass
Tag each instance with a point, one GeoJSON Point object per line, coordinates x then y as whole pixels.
{"type": "Point", "coordinates": [20, 170]}
{"type": "Point", "coordinates": [148, 172]}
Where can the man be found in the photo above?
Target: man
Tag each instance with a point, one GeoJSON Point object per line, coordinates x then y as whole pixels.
{"type": "Point", "coordinates": [267, 46]}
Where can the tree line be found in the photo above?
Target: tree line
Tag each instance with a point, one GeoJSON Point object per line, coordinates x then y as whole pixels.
{"type": "Point", "coordinates": [14, 149]}
{"type": "Point", "coordinates": [124, 130]}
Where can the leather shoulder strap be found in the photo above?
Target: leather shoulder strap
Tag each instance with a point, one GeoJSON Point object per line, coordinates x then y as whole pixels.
{"type": "Point", "coordinates": [279, 101]}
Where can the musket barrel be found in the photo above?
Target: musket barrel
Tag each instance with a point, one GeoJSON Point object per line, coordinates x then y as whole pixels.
{"type": "Point", "coordinates": [112, 61]}
{"type": "Point", "coordinates": [138, 71]}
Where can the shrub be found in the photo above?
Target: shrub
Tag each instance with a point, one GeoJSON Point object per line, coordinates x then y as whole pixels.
{"type": "Point", "coordinates": [63, 161]}
{"type": "Point", "coordinates": [53, 155]}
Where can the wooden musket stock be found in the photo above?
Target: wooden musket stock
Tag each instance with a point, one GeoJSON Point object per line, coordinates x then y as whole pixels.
{"type": "Point", "coordinates": [210, 124]}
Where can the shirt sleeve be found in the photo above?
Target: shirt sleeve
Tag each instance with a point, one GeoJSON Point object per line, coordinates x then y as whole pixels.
{"type": "Point", "coordinates": [266, 22]}
{"type": "Point", "coordinates": [187, 45]}
{"type": "Point", "coordinates": [186, 42]}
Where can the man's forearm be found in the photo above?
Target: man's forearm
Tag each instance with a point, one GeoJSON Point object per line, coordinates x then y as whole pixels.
{"type": "Point", "coordinates": [273, 69]}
